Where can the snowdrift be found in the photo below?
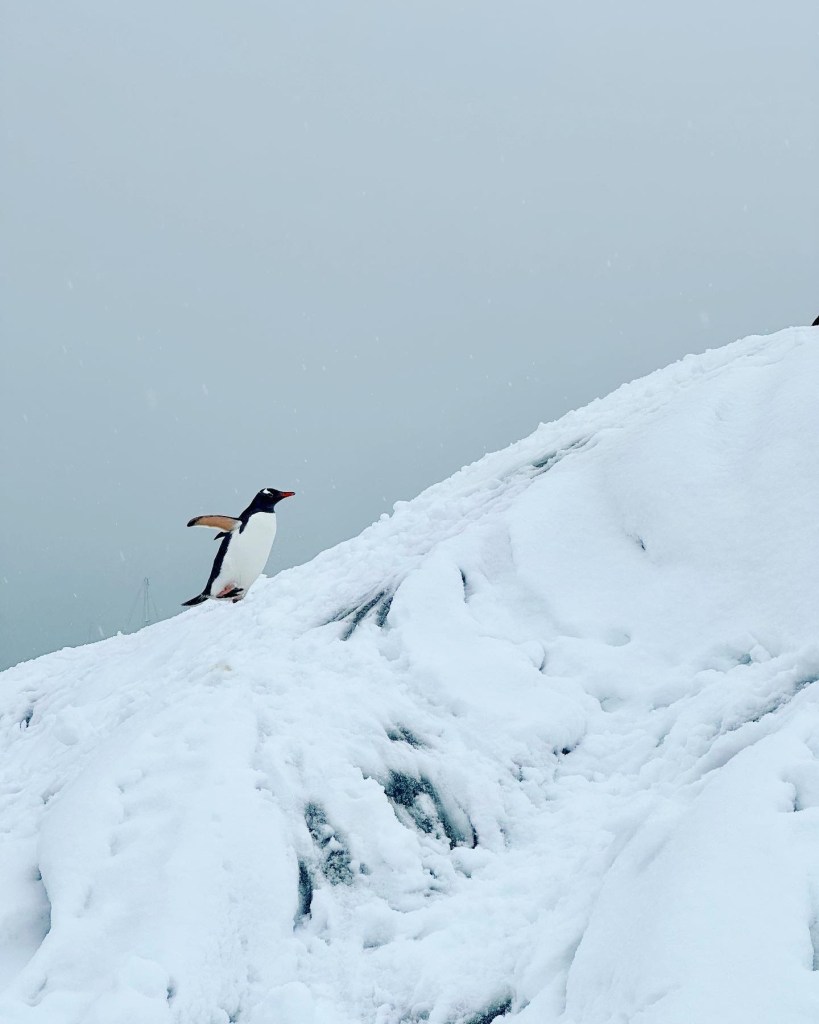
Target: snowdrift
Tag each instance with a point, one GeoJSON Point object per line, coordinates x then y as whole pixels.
{"type": "Point", "coordinates": [540, 747]}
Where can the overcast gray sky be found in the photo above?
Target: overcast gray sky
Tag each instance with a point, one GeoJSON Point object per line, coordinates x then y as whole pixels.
{"type": "Point", "coordinates": [345, 248]}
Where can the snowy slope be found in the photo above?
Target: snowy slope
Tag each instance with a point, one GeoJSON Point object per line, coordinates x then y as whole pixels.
{"type": "Point", "coordinates": [543, 746]}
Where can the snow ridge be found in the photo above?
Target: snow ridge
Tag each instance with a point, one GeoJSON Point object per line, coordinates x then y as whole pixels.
{"type": "Point", "coordinates": [542, 746]}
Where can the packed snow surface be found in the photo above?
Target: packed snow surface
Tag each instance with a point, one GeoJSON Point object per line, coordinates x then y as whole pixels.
{"type": "Point", "coordinates": [543, 747]}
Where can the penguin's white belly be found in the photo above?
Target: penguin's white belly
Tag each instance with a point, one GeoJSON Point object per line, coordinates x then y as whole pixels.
{"type": "Point", "coordinates": [247, 553]}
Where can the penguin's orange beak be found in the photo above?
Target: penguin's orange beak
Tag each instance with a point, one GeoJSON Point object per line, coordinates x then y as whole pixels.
{"type": "Point", "coordinates": [288, 494]}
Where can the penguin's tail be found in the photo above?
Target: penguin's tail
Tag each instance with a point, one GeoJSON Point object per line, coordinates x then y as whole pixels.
{"type": "Point", "coordinates": [195, 600]}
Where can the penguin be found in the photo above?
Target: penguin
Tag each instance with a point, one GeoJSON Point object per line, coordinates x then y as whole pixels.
{"type": "Point", "coordinates": [246, 543]}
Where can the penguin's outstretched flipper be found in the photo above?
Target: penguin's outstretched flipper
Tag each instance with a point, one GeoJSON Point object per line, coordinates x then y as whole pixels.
{"type": "Point", "coordinates": [195, 600]}
{"type": "Point", "coordinates": [225, 523]}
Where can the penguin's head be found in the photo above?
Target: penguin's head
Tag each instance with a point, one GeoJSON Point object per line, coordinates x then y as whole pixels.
{"type": "Point", "coordinates": [267, 499]}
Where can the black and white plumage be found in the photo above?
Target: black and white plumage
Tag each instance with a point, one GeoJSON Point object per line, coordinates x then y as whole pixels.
{"type": "Point", "coordinates": [245, 545]}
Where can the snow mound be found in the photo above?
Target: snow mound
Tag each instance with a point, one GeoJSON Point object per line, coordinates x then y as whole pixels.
{"type": "Point", "coordinates": [543, 746]}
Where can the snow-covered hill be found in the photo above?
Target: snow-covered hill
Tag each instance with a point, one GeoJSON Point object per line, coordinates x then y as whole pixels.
{"type": "Point", "coordinates": [541, 747]}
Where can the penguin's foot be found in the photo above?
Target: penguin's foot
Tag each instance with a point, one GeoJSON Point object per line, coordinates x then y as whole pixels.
{"type": "Point", "coordinates": [236, 593]}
